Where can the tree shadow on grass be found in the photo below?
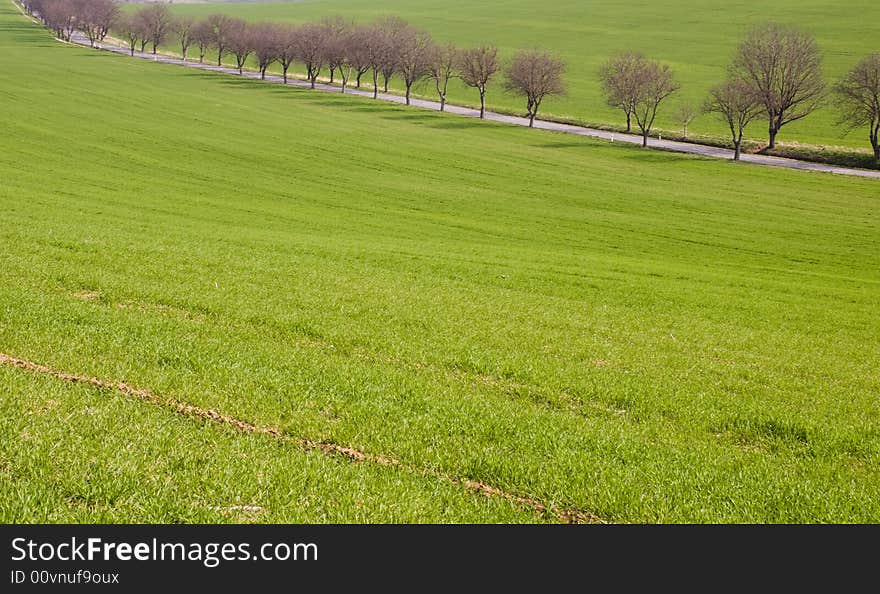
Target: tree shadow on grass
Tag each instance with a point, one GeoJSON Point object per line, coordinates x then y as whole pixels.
{"type": "Point", "coordinates": [369, 108]}
{"type": "Point", "coordinates": [400, 115]}
{"type": "Point", "coordinates": [649, 155]}
{"type": "Point", "coordinates": [450, 124]}
{"type": "Point", "coordinates": [625, 150]}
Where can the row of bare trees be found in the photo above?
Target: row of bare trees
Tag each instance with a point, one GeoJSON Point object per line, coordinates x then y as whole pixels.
{"type": "Point", "coordinates": [93, 17]}
{"type": "Point", "coordinates": [776, 72]}
{"type": "Point", "coordinates": [387, 47]}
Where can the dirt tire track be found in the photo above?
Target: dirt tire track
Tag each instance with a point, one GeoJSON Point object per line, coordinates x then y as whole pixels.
{"type": "Point", "coordinates": [561, 514]}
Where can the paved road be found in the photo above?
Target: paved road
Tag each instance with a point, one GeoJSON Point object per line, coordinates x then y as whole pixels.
{"type": "Point", "coordinates": [682, 147]}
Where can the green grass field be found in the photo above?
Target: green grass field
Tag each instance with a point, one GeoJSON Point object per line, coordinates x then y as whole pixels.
{"type": "Point", "coordinates": [644, 336]}
{"type": "Point", "coordinates": [696, 38]}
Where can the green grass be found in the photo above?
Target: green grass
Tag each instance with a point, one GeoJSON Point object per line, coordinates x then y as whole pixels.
{"type": "Point", "coordinates": [696, 38]}
{"type": "Point", "coordinates": [73, 454]}
{"type": "Point", "coordinates": [646, 336]}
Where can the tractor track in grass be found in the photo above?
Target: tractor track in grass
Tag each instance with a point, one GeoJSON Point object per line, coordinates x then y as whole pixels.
{"type": "Point", "coordinates": [562, 514]}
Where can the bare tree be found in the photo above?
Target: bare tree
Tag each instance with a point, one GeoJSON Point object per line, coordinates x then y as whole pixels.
{"type": "Point", "coordinates": [344, 49]}
{"type": "Point", "coordinates": [336, 45]}
{"type": "Point", "coordinates": [202, 36]}
{"type": "Point", "coordinates": [336, 30]}
{"type": "Point", "coordinates": [376, 48]}
{"type": "Point", "coordinates": [240, 39]}
{"type": "Point", "coordinates": [287, 48]}
{"type": "Point", "coordinates": [157, 21]}
{"type": "Point", "coordinates": [130, 29]}
{"type": "Point", "coordinates": [391, 31]}
{"type": "Point", "coordinates": [95, 17]}
{"type": "Point", "coordinates": [60, 16]}
{"type": "Point", "coordinates": [784, 66]}
{"type": "Point", "coordinates": [442, 66]}
{"type": "Point", "coordinates": [220, 25]}
{"type": "Point", "coordinates": [656, 83]}
{"type": "Point", "coordinates": [858, 95]}
{"type": "Point", "coordinates": [737, 103]}
{"type": "Point", "coordinates": [144, 30]}
{"type": "Point", "coordinates": [686, 114]}
{"type": "Point", "coordinates": [358, 52]}
{"type": "Point", "coordinates": [265, 40]}
{"type": "Point", "coordinates": [414, 49]}
{"type": "Point", "coordinates": [535, 74]}
{"type": "Point", "coordinates": [184, 27]}
{"type": "Point", "coordinates": [477, 66]}
{"type": "Point", "coordinates": [620, 82]}
{"type": "Point", "coordinates": [33, 8]}
{"type": "Point", "coordinates": [311, 45]}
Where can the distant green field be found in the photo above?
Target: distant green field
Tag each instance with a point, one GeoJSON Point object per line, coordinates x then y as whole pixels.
{"type": "Point", "coordinates": [644, 336]}
{"type": "Point", "coordinates": [696, 38]}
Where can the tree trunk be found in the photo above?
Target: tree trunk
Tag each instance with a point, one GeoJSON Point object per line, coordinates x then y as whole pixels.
{"type": "Point", "coordinates": [773, 132]}
{"type": "Point", "coordinates": [312, 78]}
{"type": "Point", "coordinates": [155, 45]}
{"type": "Point", "coordinates": [645, 137]}
{"type": "Point", "coordinates": [184, 54]}
{"type": "Point", "coordinates": [263, 73]}
{"type": "Point", "coordinates": [628, 123]}
{"type": "Point", "coordinates": [737, 149]}
{"type": "Point", "coordinates": [875, 143]}
{"type": "Point", "coordinates": [219, 59]}
{"type": "Point", "coordinates": [442, 102]}
{"type": "Point", "coordinates": [408, 86]}
{"type": "Point", "coordinates": [375, 84]}
{"type": "Point", "coordinates": [358, 85]}
{"type": "Point", "coordinates": [482, 104]}
{"type": "Point", "coordinates": [332, 73]}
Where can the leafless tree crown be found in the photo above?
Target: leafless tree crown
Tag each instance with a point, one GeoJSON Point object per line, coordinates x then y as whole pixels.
{"type": "Point", "coordinates": [442, 66]}
{"type": "Point", "coordinates": [535, 74]}
{"type": "Point", "coordinates": [736, 102]}
{"type": "Point", "coordinates": [858, 99]}
{"type": "Point", "coordinates": [184, 27]}
{"type": "Point", "coordinates": [157, 21]}
{"type": "Point", "coordinates": [620, 82]}
{"type": "Point", "coordinates": [656, 82]}
{"type": "Point", "coordinates": [413, 56]}
{"type": "Point", "coordinates": [784, 67]}
{"type": "Point", "coordinates": [476, 67]}
{"type": "Point", "coordinates": [311, 46]}
{"type": "Point", "coordinates": [266, 40]}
